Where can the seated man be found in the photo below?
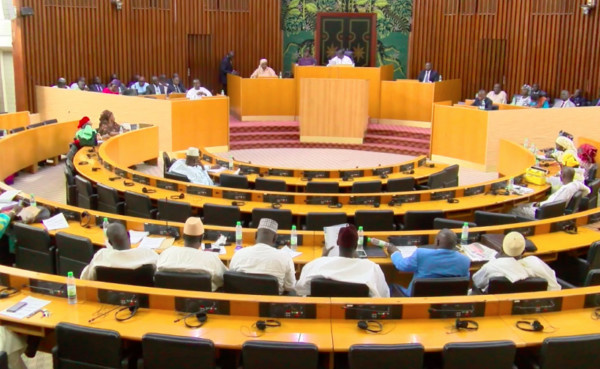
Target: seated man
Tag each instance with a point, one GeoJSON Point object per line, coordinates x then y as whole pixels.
{"type": "Point", "coordinates": [263, 70]}
{"type": "Point", "coordinates": [141, 86]}
{"type": "Point", "coordinates": [197, 92]}
{"type": "Point", "coordinates": [507, 265]}
{"type": "Point", "coordinates": [156, 87]}
{"type": "Point", "coordinates": [192, 168]}
{"type": "Point", "coordinates": [175, 86]}
{"type": "Point", "coordinates": [61, 83]}
{"type": "Point", "coordinates": [565, 192]}
{"type": "Point", "coordinates": [79, 85]}
{"type": "Point", "coordinates": [439, 262]}
{"type": "Point", "coordinates": [578, 99]}
{"type": "Point", "coordinates": [190, 258]}
{"type": "Point", "coordinates": [340, 59]}
{"type": "Point", "coordinates": [428, 75]}
{"type": "Point", "coordinates": [119, 254]}
{"type": "Point", "coordinates": [564, 101]}
{"type": "Point", "coordinates": [345, 268]}
{"type": "Point", "coordinates": [482, 101]}
{"type": "Point", "coordinates": [265, 258]}
{"type": "Point", "coordinates": [497, 95]}
{"type": "Point", "coordinates": [97, 85]}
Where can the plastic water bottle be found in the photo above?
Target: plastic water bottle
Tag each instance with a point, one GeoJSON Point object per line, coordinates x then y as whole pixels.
{"type": "Point", "coordinates": [32, 202]}
{"type": "Point", "coordinates": [230, 162]}
{"type": "Point", "coordinates": [378, 242]}
{"type": "Point", "coordinates": [294, 239]}
{"type": "Point", "coordinates": [71, 289]}
{"type": "Point", "coordinates": [532, 148]}
{"type": "Point", "coordinates": [238, 235]}
{"type": "Point", "coordinates": [361, 235]}
{"type": "Point", "coordinates": [223, 92]}
{"type": "Point", "coordinates": [280, 74]}
{"type": "Point", "coordinates": [464, 237]}
{"type": "Point", "coordinates": [526, 143]}
{"type": "Point", "coordinates": [105, 228]}
{"type": "Point", "coordinates": [511, 184]}
{"type": "Point", "coordinates": [440, 78]}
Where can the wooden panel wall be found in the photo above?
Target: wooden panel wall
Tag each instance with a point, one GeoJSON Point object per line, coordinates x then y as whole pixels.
{"type": "Point", "coordinates": [510, 41]}
{"type": "Point", "coordinates": [71, 38]}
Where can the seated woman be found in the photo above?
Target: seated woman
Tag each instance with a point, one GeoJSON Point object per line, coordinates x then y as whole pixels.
{"type": "Point", "coordinates": [108, 126]}
{"type": "Point", "coordinates": [587, 158]}
{"type": "Point", "coordinates": [85, 135]}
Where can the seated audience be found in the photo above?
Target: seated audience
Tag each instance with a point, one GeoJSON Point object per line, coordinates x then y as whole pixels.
{"type": "Point", "coordinates": [192, 168]}
{"type": "Point", "coordinates": [340, 59]}
{"type": "Point", "coordinates": [176, 87]}
{"type": "Point", "coordinates": [483, 101]}
{"type": "Point", "coordinates": [118, 253]}
{"type": "Point", "coordinates": [85, 135]}
{"type": "Point", "coordinates": [156, 87]}
{"type": "Point", "coordinates": [565, 192]}
{"type": "Point", "coordinates": [120, 86]}
{"type": "Point", "coordinates": [428, 75]}
{"type": "Point", "coordinates": [180, 84]}
{"type": "Point", "coordinates": [539, 102]}
{"type": "Point", "coordinates": [523, 99]}
{"type": "Point", "coordinates": [565, 152]}
{"type": "Point", "coordinates": [307, 59]}
{"type": "Point", "coordinates": [97, 85]}
{"type": "Point", "coordinates": [191, 258]}
{"type": "Point", "coordinates": [79, 85]}
{"type": "Point", "coordinates": [564, 101]}
{"type": "Point", "coordinates": [443, 260]}
{"type": "Point", "coordinates": [141, 87]}
{"type": "Point", "coordinates": [61, 83]}
{"type": "Point", "coordinates": [263, 70]}
{"type": "Point", "coordinates": [112, 87]}
{"type": "Point", "coordinates": [535, 91]}
{"type": "Point", "coordinates": [133, 81]}
{"type": "Point", "coordinates": [265, 258]}
{"type": "Point", "coordinates": [497, 95]}
{"type": "Point", "coordinates": [578, 99]}
{"type": "Point", "coordinates": [510, 265]}
{"type": "Point", "coordinates": [345, 268]}
{"type": "Point", "coordinates": [108, 126]}
{"type": "Point", "coordinates": [587, 158]}
{"type": "Point", "coordinates": [197, 92]}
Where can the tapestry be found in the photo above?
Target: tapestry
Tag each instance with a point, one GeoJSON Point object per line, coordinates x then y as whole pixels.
{"type": "Point", "coordinates": [299, 22]}
{"type": "Point", "coordinates": [354, 32]}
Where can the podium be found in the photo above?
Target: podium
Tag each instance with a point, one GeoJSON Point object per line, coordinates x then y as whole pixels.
{"type": "Point", "coordinates": [333, 110]}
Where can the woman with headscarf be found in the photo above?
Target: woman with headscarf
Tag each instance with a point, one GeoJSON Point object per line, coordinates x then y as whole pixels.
{"type": "Point", "coordinates": [263, 70]}
{"type": "Point", "coordinates": [565, 152]}
{"type": "Point", "coordinates": [85, 135]}
{"type": "Point", "coordinates": [587, 157]}
{"type": "Point", "coordinates": [523, 99]}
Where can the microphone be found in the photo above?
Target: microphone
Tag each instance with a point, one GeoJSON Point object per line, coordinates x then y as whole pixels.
{"type": "Point", "coordinates": [104, 314]}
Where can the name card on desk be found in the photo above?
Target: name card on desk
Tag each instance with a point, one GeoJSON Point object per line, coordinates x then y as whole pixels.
{"type": "Point", "coordinates": [287, 311]}
{"type": "Point", "coordinates": [141, 179]}
{"type": "Point", "coordinates": [407, 167]}
{"type": "Point", "coordinates": [472, 191]}
{"type": "Point", "coordinates": [200, 191]}
{"type": "Point", "coordinates": [236, 195]}
{"type": "Point", "coordinates": [281, 172]}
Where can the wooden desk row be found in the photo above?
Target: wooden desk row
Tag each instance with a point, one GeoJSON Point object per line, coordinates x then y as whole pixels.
{"type": "Point", "coordinates": [329, 323]}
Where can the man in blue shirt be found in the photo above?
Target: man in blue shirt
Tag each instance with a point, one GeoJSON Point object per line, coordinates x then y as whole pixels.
{"type": "Point", "coordinates": [439, 262]}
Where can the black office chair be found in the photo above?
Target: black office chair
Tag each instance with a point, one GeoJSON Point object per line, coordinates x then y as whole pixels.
{"type": "Point", "coordinates": [221, 215]}
{"type": "Point", "coordinates": [499, 285]}
{"type": "Point", "coordinates": [174, 352]}
{"type": "Point", "coordinates": [73, 253]}
{"type": "Point", "coordinates": [409, 355]}
{"type": "Point", "coordinates": [78, 347]}
{"type": "Point", "coordinates": [451, 174]}
{"type": "Point", "coordinates": [322, 187]}
{"type": "Point", "coordinates": [591, 200]}
{"type": "Point", "coordinates": [476, 355]}
{"type": "Point", "coordinates": [252, 284]}
{"type": "Point", "coordinates": [447, 286]}
{"type": "Point", "coordinates": [166, 163]}
{"type": "Point", "coordinates": [573, 205]}
{"type": "Point", "coordinates": [3, 360]}
{"type": "Point", "coordinates": [139, 205]}
{"type": "Point", "coordinates": [375, 220]}
{"type": "Point", "coordinates": [70, 155]}
{"type": "Point", "coordinates": [109, 200]}
{"type": "Point", "coordinates": [579, 352]}
{"type": "Point", "coordinates": [321, 287]}
{"type": "Point", "coordinates": [262, 184]}
{"type": "Point", "coordinates": [34, 249]}
{"type": "Point", "coordinates": [441, 223]}
{"type": "Point", "coordinates": [279, 355]}
{"type": "Point", "coordinates": [233, 181]}
{"type": "Point", "coordinates": [400, 184]}
{"type": "Point", "coordinates": [142, 276]}
{"type": "Point", "coordinates": [366, 187]}
{"type": "Point", "coordinates": [420, 220]}
{"type": "Point", "coordinates": [487, 218]}
{"type": "Point", "coordinates": [183, 281]}
{"type": "Point", "coordinates": [86, 198]}
{"type": "Point", "coordinates": [283, 217]}
{"type": "Point", "coordinates": [572, 270]}
{"type": "Point", "coordinates": [435, 181]}
{"type": "Point", "coordinates": [551, 210]}
{"type": "Point", "coordinates": [71, 187]}
{"type": "Point", "coordinates": [173, 211]}
{"type": "Point", "coordinates": [592, 172]}
{"type": "Point", "coordinates": [177, 177]}
{"type": "Point", "coordinates": [317, 221]}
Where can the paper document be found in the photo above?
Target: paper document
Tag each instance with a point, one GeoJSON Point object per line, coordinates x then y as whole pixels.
{"type": "Point", "coordinates": [222, 250]}
{"type": "Point", "coordinates": [406, 251]}
{"type": "Point", "coordinates": [479, 252]}
{"type": "Point", "coordinates": [32, 306]}
{"type": "Point", "coordinates": [151, 243]}
{"type": "Point", "coordinates": [136, 236]}
{"type": "Point", "coordinates": [8, 196]}
{"type": "Point", "coordinates": [218, 170]}
{"type": "Point", "coordinates": [520, 190]}
{"type": "Point", "coordinates": [290, 251]}
{"type": "Point", "coordinates": [7, 205]}
{"type": "Point", "coordinates": [56, 222]}
{"type": "Point", "coordinates": [331, 234]}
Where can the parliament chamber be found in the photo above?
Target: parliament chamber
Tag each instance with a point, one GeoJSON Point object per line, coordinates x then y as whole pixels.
{"type": "Point", "coordinates": [148, 318]}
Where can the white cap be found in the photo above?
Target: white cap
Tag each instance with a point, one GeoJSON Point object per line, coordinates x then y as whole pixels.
{"type": "Point", "coordinates": [263, 60]}
{"type": "Point", "coordinates": [193, 151]}
{"type": "Point", "coordinates": [513, 244]}
{"type": "Point", "coordinates": [270, 224]}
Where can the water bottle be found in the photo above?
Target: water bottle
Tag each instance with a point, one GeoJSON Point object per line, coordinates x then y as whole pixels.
{"type": "Point", "coordinates": [532, 148]}
{"type": "Point", "coordinates": [230, 162]}
{"type": "Point", "coordinates": [280, 75]}
{"type": "Point", "coordinates": [71, 289]}
{"type": "Point", "coordinates": [32, 202]}
{"type": "Point", "coordinates": [464, 237]}
{"type": "Point", "coordinates": [378, 242]}
{"type": "Point", "coordinates": [511, 184]}
{"type": "Point", "coordinates": [294, 239]}
{"type": "Point", "coordinates": [482, 106]}
{"type": "Point", "coordinates": [223, 92]}
{"type": "Point", "coordinates": [361, 235]}
{"type": "Point", "coordinates": [440, 78]}
{"type": "Point", "coordinates": [238, 235]}
{"type": "Point", "coordinates": [105, 226]}
{"type": "Point", "coordinates": [526, 143]}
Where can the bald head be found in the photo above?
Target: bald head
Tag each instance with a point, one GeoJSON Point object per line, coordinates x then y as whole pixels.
{"type": "Point", "coordinates": [446, 239]}
{"type": "Point", "coordinates": [118, 237]}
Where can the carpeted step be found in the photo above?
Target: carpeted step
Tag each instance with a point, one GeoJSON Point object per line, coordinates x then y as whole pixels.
{"type": "Point", "coordinates": [263, 136]}
{"type": "Point", "coordinates": [399, 131]}
{"type": "Point", "coordinates": [238, 127]}
{"type": "Point", "coordinates": [397, 140]}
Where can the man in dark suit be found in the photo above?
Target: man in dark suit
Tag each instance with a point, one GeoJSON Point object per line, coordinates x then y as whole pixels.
{"type": "Point", "coordinates": [176, 86]}
{"type": "Point", "coordinates": [96, 85]}
{"type": "Point", "coordinates": [428, 74]}
{"type": "Point", "coordinates": [156, 88]}
{"type": "Point", "coordinates": [482, 101]}
{"type": "Point", "coordinates": [226, 68]}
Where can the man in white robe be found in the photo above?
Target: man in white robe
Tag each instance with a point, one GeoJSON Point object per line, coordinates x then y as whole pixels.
{"type": "Point", "coordinates": [192, 168]}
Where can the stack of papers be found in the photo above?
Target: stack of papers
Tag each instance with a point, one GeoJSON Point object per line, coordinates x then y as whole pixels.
{"type": "Point", "coordinates": [479, 252]}
{"type": "Point", "coordinates": [290, 251]}
{"type": "Point", "coordinates": [151, 243]}
{"type": "Point", "coordinates": [406, 251]}
{"type": "Point", "coordinates": [136, 236]}
{"type": "Point", "coordinates": [8, 196]}
{"type": "Point", "coordinates": [32, 306]}
{"type": "Point", "coordinates": [56, 222]}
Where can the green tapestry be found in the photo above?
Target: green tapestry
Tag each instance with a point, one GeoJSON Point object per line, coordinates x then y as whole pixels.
{"type": "Point", "coordinates": [299, 18]}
